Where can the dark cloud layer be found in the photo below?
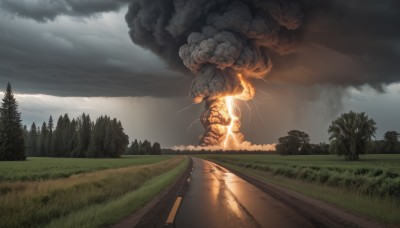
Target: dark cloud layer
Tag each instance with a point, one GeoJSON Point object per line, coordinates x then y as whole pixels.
{"type": "Point", "coordinates": [75, 58]}
{"type": "Point", "coordinates": [346, 43]}
{"type": "Point", "coordinates": [44, 10]}
{"type": "Point", "coordinates": [343, 43]}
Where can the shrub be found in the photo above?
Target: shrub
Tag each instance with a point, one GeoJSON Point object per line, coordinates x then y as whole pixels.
{"type": "Point", "coordinates": [361, 171]}
{"type": "Point", "coordinates": [323, 177]}
{"type": "Point", "coordinates": [376, 172]}
{"type": "Point", "coordinates": [391, 175]}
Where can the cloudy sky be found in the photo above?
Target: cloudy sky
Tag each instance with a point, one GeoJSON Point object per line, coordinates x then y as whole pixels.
{"type": "Point", "coordinates": [72, 56]}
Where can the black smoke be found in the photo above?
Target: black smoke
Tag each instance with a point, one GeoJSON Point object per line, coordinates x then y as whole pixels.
{"type": "Point", "coordinates": [340, 42]}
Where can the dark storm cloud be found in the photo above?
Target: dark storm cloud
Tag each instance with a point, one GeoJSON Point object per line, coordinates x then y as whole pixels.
{"type": "Point", "coordinates": [342, 43]}
{"type": "Point", "coordinates": [345, 43]}
{"type": "Point", "coordinates": [74, 58]}
{"type": "Point", "coordinates": [43, 10]}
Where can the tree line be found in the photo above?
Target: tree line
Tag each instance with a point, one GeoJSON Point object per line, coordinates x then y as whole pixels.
{"type": "Point", "coordinates": [78, 137]}
{"type": "Point", "coordinates": [350, 135]}
{"type": "Point", "coordinates": [142, 148]}
{"type": "Point", "coordinates": [298, 143]}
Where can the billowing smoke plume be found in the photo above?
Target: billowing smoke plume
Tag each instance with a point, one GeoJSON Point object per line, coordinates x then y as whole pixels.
{"type": "Point", "coordinates": [224, 43]}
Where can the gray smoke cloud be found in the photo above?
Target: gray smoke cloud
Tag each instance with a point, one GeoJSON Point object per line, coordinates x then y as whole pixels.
{"type": "Point", "coordinates": [224, 43]}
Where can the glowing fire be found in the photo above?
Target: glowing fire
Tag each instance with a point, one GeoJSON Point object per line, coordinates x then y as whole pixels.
{"type": "Point", "coordinates": [232, 139]}
{"type": "Point", "coordinates": [230, 135]}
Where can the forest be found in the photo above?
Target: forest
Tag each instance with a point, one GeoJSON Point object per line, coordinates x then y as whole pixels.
{"type": "Point", "coordinates": [78, 137]}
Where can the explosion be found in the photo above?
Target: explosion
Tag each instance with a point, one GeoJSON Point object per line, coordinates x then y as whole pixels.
{"type": "Point", "coordinates": [224, 43]}
{"type": "Point", "coordinates": [221, 119]}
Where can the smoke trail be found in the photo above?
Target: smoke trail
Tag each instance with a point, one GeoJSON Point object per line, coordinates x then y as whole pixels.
{"type": "Point", "coordinates": [244, 146]}
{"type": "Point", "coordinates": [224, 43]}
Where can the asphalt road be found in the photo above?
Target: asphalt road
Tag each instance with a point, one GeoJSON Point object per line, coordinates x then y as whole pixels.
{"type": "Point", "coordinates": [219, 198]}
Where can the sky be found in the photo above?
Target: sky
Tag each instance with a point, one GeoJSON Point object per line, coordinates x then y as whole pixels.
{"type": "Point", "coordinates": [77, 56]}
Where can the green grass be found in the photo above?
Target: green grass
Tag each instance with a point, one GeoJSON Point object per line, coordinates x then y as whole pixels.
{"type": "Point", "coordinates": [370, 186]}
{"type": "Point", "coordinates": [101, 215]}
{"type": "Point", "coordinates": [35, 204]}
{"type": "Point", "coordinates": [35, 168]}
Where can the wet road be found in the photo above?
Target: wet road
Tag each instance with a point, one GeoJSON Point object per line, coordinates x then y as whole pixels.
{"type": "Point", "coordinates": [219, 198]}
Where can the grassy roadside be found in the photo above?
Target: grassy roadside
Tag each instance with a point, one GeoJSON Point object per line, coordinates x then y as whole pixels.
{"type": "Point", "coordinates": [40, 168]}
{"type": "Point", "coordinates": [382, 209]}
{"type": "Point", "coordinates": [35, 204]}
{"type": "Point", "coordinates": [109, 213]}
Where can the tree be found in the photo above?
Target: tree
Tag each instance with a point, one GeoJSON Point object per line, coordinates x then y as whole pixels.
{"type": "Point", "coordinates": [26, 135]}
{"type": "Point", "coordinates": [296, 142]}
{"type": "Point", "coordinates": [350, 134]}
{"type": "Point", "coordinates": [49, 139]}
{"type": "Point", "coordinates": [145, 148]}
{"type": "Point", "coordinates": [107, 139]}
{"type": "Point", "coordinates": [377, 147]}
{"type": "Point", "coordinates": [72, 138]}
{"type": "Point", "coordinates": [134, 148]}
{"type": "Point", "coordinates": [156, 148]}
{"type": "Point", "coordinates": [12, 144]}
{"type": "Point", "coordinates": [141, 148]}
{"type": "Point", "coordinates": [66, 134]}
{"type": "Point", "coordinates": [83, 132]}
{"type": "Point", "coordinates": [119, 139]}
{"type": "Point", "coordinates": [43, 149]}
{"type": "Point", "coordinates": [57, 140]}
{"type": "Point", "coordinates": [391, 141]}
{"type": "Point", "coordinates": [321, 148]}
{"type": "Point", "coordinates": [33, 139]}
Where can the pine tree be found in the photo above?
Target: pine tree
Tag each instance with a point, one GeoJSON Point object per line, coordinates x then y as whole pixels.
{"type": "Point", "coordinates": [97, 139]}
{"type": "Point", "coordinates": [120, 140]}
{"type": "Point", "coordinates": [107, 139]}
{"type": "Point", "coordinates": [57, 141]}
{"type": "Point", "coordinates": [142, 147]}
{"type": "Point", "coordinates": [26, 136]}
{"type": "Point", "coordinates": [12, 145]}
{"type": "Point", "coordinates": [72, 136]}
{"type": "Point", "coordinates": [66, 136]}
{"type": "Point", "coordinates": [33, 138]}
{"type": "Point", "coordinates": [83, 134]}
{"type": "Point", "coordinates": [134, 148]}
{"type": "Point", "coordinates": [49, 138]}
{"type": "Point", "coordinates": [140, 150]}
{"type": "Point", "coordinates": [156, 148]}
{"type": "Point", "coordinates": [145, 148]}
{"type": "Point", "coordinates": [149, 149]}
{"type": "Point", "coordinates": [43, 140]}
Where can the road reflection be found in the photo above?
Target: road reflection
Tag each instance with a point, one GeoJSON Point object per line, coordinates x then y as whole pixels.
{"type": "Point", "coordinates": [219, 198]}
{"type": "Point", "coordinates": [224, 196]}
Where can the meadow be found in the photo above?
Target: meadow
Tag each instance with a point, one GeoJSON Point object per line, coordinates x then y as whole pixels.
{"type": "Point", "coordinates": [88, 199]}
{"type": "Point", "coordinates": [370, 186]}
{"type": "Point", "coordinates": [39, 168]}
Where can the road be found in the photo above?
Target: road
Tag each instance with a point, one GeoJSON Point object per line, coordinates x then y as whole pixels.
{"type": "Point", "coordinates": [218, 198]}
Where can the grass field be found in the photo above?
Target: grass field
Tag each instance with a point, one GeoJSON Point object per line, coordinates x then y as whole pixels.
{"type": "Point", "coordinates": [91, 199]}
{"type": "Point", "coordinates": [370, 186]}
{"type": "Point", "coordinates": [53, 168]}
